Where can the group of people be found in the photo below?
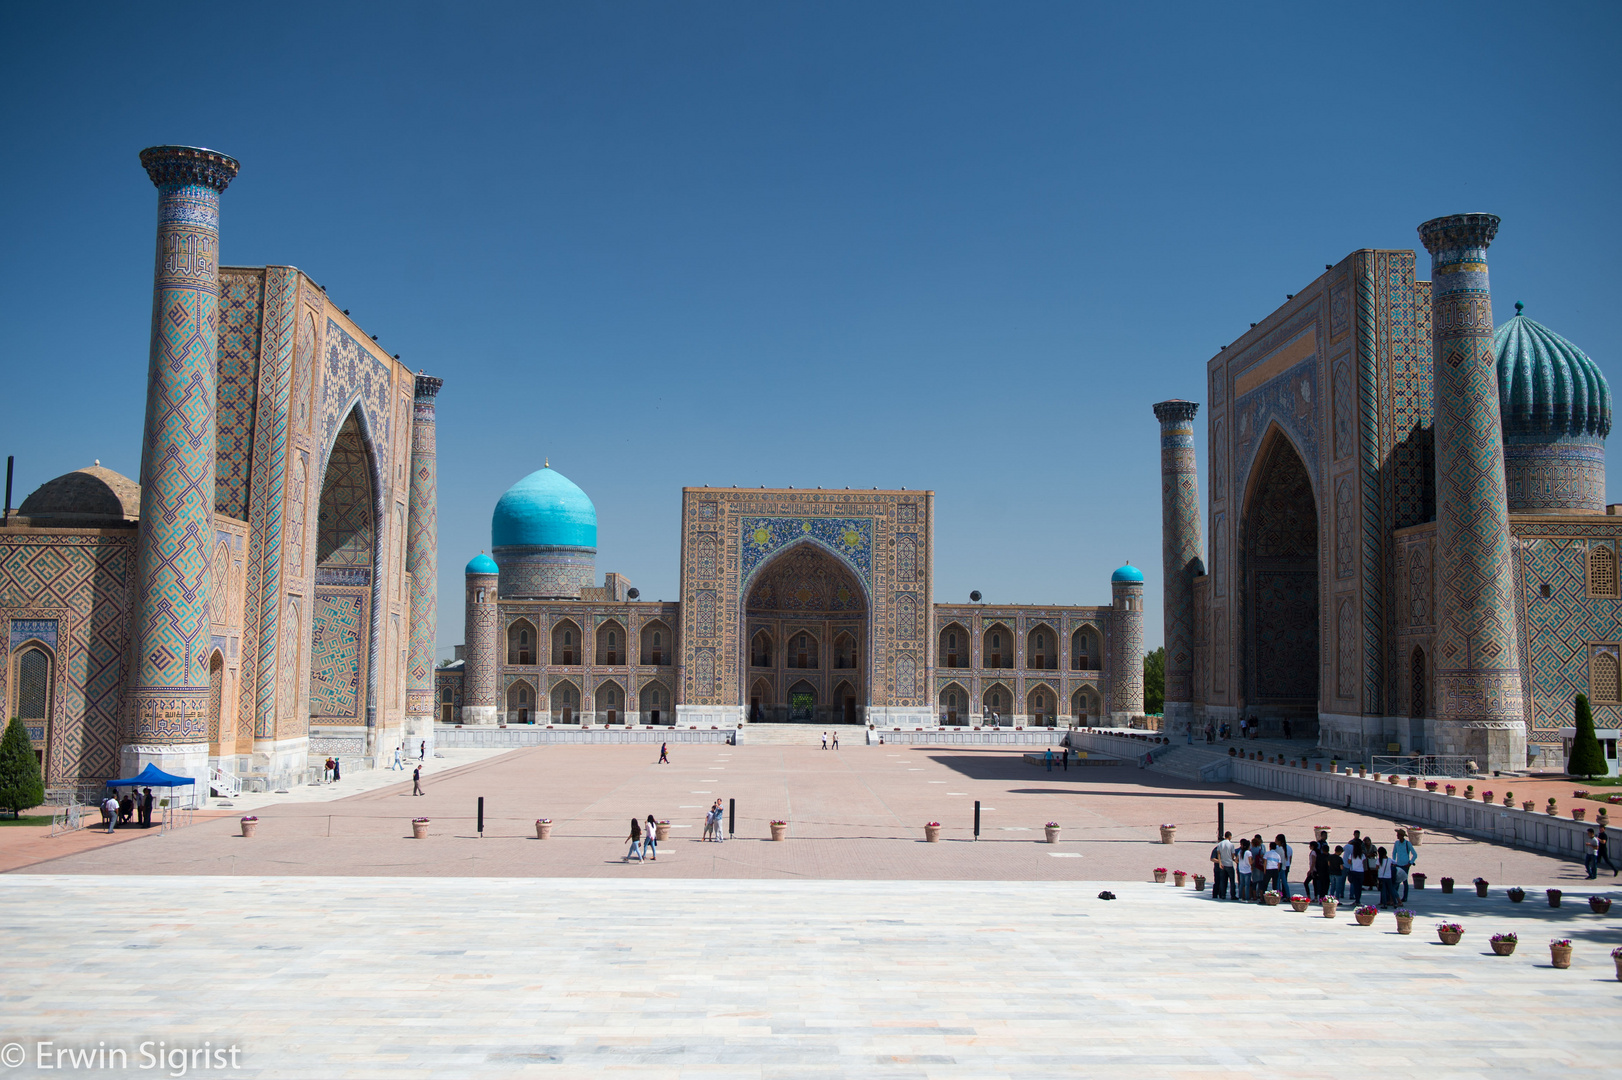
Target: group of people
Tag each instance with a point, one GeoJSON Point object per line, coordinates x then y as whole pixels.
{"type": "Point", "coordinates": [825, 740]}
{"type": "Point", "coordinates": [1247, 870]}
{"type": "Point", "coordinates": [116, 812]}
{"type": "Point", "coordinates": [401, 751]}
{"type": "Point", "coordinates": [335, 771]}
{"type": "Point", "coordinates": [1249, 728]}
{"type": "Point", "coordinates": [1596, 850]}
{"type": "Point", "coordinates": [644, 840]}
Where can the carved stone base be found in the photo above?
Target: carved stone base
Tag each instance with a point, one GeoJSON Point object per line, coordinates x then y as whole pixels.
{"type": "Point", "coordinates": [1494, 745]}
{"type": "Point", "coordinates": [176, 759]}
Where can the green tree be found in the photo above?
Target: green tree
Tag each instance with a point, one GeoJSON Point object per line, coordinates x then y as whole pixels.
{"type": "Point", "coordinates": [21, 786]}
{"type": "Point", "coordinates": [1154, 681]}
{"type": "Point", "coordinates": [1587, 759]}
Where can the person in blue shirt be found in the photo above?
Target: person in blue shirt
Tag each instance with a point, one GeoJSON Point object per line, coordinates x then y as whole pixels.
{"type": "Point", "coordinates": [1403, 857]}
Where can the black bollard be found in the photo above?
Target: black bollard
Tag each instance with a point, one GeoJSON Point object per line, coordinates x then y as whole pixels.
{"type": "Point", "coordinates": [1219, 821]}
{"type": "Point", "coordinates": [732, 817]}
{"type": "Point", "coordinates": [481, 817]}
{"type": "Point", "coordinates": [977, 819]}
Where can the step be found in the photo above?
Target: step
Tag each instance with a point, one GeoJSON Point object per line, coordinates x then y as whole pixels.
{"type": "Point", "coordinates": [764, 734]}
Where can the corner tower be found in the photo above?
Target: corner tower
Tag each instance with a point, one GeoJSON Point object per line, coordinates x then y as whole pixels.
{"type": "Point", "coordinates": [1478, 680]}
{"type": "Point", "coordinates": [1180, 555]}
{"type": "Point", "coordinates": [1126, 645]}
{"type": "Point", "coordinates": [481, 630]}
{"type": "Point", "coordinates": [168, 689]}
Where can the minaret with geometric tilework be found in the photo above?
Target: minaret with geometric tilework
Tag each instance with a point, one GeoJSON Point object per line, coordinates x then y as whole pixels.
{"type": "Point", "coordinates": [1478, 679]}
{"type": "Point", "coordinates": [1180, 555]}
{"type": "Point", "coordinates": [422, 563]}
{"type": "Point", "coordinates": [167, 693]}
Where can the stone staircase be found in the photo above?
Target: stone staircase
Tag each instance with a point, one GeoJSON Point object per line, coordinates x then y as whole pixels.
{"type": "Point", "coordinates": [802, 735]}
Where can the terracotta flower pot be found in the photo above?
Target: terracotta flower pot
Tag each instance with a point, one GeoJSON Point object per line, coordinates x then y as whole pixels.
{"type": "Point", "coordinates": [1168, 834]}
{"type": "Point", "coordinates": [1481, 889]}
{"type": "Point", "coordinates": [1529, 806]}
{"type": "Point", "coordinates": [1052, 834]}
{"type": "Point", "coordinates": [1416, 835]}
{"type": "Point", "coordinates": [1405, 924]}
{"type": "Point", "coordinates": [1178, 879]}
{"type": "Point", "coordinates": [1394, 780]}
{"type": "Point", "coordinates": [1419, 879]}
{"type": "Point", "coordinates": [1554, 897]}
{"type": "Point", "coordinates": [1560, 955]}
{"type": "Point", "coordinates": [1330, 906]}
{"type": "Point", "coordinates": [1618, 960]}
{"type": "Point", "coordinates": [779, 831]}
{"type": "Point", "coordinates": [543, 829]}
{"type": "Point", "coordinates": [249, 828]}
{"type": "Point", "coordinates": [1599, 905]}
{"type": "Point", "coordinates": [1199, 882]}
{"type": "Point", "coordinates": [1516, 895]}
{"type": "Point", "coordinates": [1299, 905]}
{"type": "Point", "coordinates": [1413, 781]}
{"type": "Point", "coordinates": [1579, 815]}
{"type": "Point", "coordinates": [419, 829]}
{"type": "Point", "coordinates": [932, 833]}
{"type": "Point", "coordinates": [1447, 886]}
{"type": "Point", "coordinates": [1365, 918]}
{"type": "Point", "coordinates": [1449, 937]}
{"type": "Point", "coordinates": [1160, 877]}
{"type": "Point", "coordinates": [1270, 898]}
{"type": "Point", "coordinates": [661, 831]}
{"type": "Point", "coordinates": [1502, 948]}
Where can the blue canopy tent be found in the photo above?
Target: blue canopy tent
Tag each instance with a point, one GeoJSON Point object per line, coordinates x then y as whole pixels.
{"type": "Point", "coordinates": [152, 776]}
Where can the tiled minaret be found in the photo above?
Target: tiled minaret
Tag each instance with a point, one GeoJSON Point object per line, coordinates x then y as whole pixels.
{"type": "Point", "coordinates": [1180, 555]}
{"type": "Point", "coordinates": [422, 563]}
{"type": "Point", "coordinates": [167, 693]}
{"type": "Point", "coordinates": [1478, 682]}
{"type": "Point", "coordinates": [1126, 645]}
{"type": "Point", "coordinates": [479, 694]}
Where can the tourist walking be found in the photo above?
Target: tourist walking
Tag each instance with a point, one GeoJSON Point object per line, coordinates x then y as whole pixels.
{"type": "Point", "coordinates": [650, 839]}
{"type": "Point", "coordinates": [825, 740]}
{"type": "Point", "coordinates": [836, 740]}
{"type": "Point", "coordinates": [399, 757]}
{"type": "Point", "coordinates": [1403, 857]}
{"type": "Point", "coordinates": [416, 780]}
{"type": "Point", "coordinates": [109, 810]}
{"type": "Point", "coordinates": [422, 751]}
{"type": "Point", "coordinates": [1605, 850]}
{"type": "Point", "coordinates": [636, 842]}
{"type": "Point", "coordinates": [664, 754]}
{"type": "Point", "coordinates": [1591, 855]}
{"type": "Point", "coordinates": [1241, 869]}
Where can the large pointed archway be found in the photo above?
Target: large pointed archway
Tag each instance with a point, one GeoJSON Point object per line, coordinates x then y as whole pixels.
{"type": "Point", "coordinates": [1279, 568]}
{"type": "Point", "coordinates": [343, 631]}
{"type": "Point", "coordinates": [811, 605]}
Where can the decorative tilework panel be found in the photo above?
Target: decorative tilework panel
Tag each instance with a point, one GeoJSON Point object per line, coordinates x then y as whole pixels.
{"type": "Point", "coordinates": [241, 308]}
{"type": "Point", "coordinates": [345, 518]}
{"type": "Point", "coordinates": [1557, 629]}
{"type": "Point", "coordinates": [338, 632]}
{"type": "Point", "coordinates": [849, 538]}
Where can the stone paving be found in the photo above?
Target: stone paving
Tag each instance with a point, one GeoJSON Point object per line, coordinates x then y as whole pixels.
{"type": "Point", "coordinates": [444, 977]}
{"type": "Point", "coordinates": [855, 814]}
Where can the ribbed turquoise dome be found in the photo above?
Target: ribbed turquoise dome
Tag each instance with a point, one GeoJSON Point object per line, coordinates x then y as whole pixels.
{"type": "Point", "coordinates": [1127, 573]}
{"type": "Point", "coordinates": [544, 509]}
{"type": "Point", "coordinates": [1547, 387]}
{"type": "Point", "coordinates": [482, 564]}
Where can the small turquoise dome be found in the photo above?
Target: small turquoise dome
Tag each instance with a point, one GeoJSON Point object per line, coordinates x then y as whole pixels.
{"type": "Point", "coordinates": [482, 564]}
{"type": "Point", "coordinates": [544, 509]}
{"type": "Point", "coordinates": [1547, 387]}
{"type": "Point", "coordinates": [1127, 573]}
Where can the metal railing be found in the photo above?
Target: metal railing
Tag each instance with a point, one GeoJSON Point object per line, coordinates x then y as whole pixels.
{"type": "Point", "coordinates": [1424, 765]}
{"type": "Point", "coordinates": [224, 784]}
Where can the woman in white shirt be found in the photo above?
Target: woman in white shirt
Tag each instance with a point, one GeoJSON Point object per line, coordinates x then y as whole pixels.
{"type": "Point", "coordinates": [1354, 871]}
{"type": "Point", "coordinates": [1386, 865]}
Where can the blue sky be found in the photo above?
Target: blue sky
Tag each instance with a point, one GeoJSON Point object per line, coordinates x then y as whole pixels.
{"type": "Point", "coordinates": [947, 246]}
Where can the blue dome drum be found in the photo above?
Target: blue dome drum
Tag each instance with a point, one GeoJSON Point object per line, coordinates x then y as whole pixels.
{"type": "Point", "coordinates": [543, 535]}
{"type": "Point", "coordinates": [1556, 412]}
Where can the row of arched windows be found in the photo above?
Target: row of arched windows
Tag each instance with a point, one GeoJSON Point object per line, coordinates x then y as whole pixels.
{"type": "Point", "coordinates": [1041, 648]}
{"type": "Point", "coordinates": [612, 644]}
{"type": "Point", "coordinates": [610, 704]}
{"type": "Point", "coordinates": [803, 650]}
{"type": "Point", "coordinates": [1041, 705]}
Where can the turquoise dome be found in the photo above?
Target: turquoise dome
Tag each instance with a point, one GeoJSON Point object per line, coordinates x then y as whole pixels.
{"type": "Point", "coordinates": [482, 564]}
{"type": "Point", "coordinates": [1547, 387]}
{"type": "Point", "coordinates": [1128, 573]}
{"type": "Point", "coordinates": [544, 509]}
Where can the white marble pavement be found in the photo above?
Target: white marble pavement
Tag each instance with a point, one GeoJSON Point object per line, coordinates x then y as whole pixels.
{"type": "Point", "coordinates": [403, 978]}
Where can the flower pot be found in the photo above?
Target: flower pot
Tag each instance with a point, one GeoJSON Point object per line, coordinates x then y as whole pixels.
{"type": "Point", "coordinates": [1160, 876]}
{"type": "Point", "coordinates": [1447, 886]}
{"type": "Point", "coordinates": [1052, 833]}
{"type": "Point", "coordinates": [932, 833]}
{"type": "Point", "coordinates": [1560, 955]}
{"type": "Point", "coordinates": [1554, 897]}
{"type": "Point", "coordinates": [1529, 806]}
{"type": "Point", "coordinates": [1405, 924]}
{"type": "Point", "coordinates": [1553, 811]}
{"type": "Point", "coordinates": [419, 829]}
{"type": "Point", "coordinates": [543, 829]}
{"type": "Point", "coordinates": [661, 831]}
{"type": "Point", "coordinates": [1168, 834]}
{"type": "Point", "coordinates": [1599, 905]}
{"type": "Point", "coordinates": [1502, 948]}
{"type": "Point", "coordinates": [1449, 937]}
{"type": "Point", "coordinates": [1416, 835]}
{"type": "Point", "coordinates": [1364, 918]}
{"type": "Point", "coordinates": [779, 831]}
{"type": "Point", "coordinates": [1579, 815]}
{"type": "Point", "coordinates": [249, 828]}
{"type": "Point", "coordinates": [1516, 895]}
{"type": "Point", "coordinates": [1618, 960]}
{"type": "Point", "coordinates": [1330, 906]}
{"type": "Point", "coordinates": [1481, 889]}
{"type": "Point", "coordinates": [1299, 905]}
{"type": "Point", "coordinates": [1199, 882]}
{"type": "Point", "coordinates": [1270, 898]}
{"type": "Point", "coordinates": [1178, 878]}
{"type": "Point", "coordinates": [1419, 879]}
{"type": "Point", "coordinates": [1394, 780]}
{"type": "Point", "coordinates": [1361, 771]}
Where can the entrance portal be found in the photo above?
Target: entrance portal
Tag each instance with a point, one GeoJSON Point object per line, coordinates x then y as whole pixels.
{"type": "Point", "coordinates": [806, 626]}
{"type": "Point", "coordinates": [342, 623]}
{"type": "Point", "coordinates": [1279, 534]}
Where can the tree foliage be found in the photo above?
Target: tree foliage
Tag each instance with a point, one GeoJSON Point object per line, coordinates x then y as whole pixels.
{"type": "Point", "coordinates": [1154, 681]}
{"type": "Point", "coordinates": [1587, 759]}
{"type": "Point", "coordinates": [21, 786]}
